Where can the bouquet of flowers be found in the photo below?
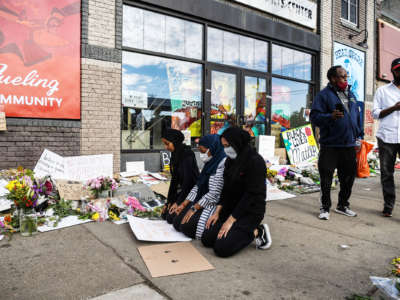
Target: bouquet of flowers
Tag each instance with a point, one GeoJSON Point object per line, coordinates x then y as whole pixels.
{"type": "Point", "coordinates": [100, 184]}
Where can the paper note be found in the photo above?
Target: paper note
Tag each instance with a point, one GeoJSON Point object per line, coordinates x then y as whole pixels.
{"type": "Point", "coordinates": [135, 166]}
{"type": "Point", "coordinates": [173, 259]}
{"type": "Point", "coordinates": [155, 231]}
{"type": "Point", "coordinates": [273, 193]}
{"type": "Point", "coordinates": [5, 204]}
{"type": "Point", "coordinates": [64, 222]}
{"type": "Point", "coordinates": [51, 164]}
{"type": "Point", "coordinates": [266, 147]}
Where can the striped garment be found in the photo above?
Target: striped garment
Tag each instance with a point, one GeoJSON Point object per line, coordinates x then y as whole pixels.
{"type": "Point", "coordinates": [210, 200]}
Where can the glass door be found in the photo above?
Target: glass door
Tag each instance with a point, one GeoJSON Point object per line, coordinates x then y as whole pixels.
{"type": "Point", "coordinates": [222, 90]}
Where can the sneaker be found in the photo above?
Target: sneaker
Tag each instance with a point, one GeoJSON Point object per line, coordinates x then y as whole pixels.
{"type": "Point", "coordinates": [386, 213]}
{"type": "Point", "coordinates": [345, 211]}
{"type": "Point", "coordinates": [263, 239]}
{"type": "Point", "coordinates": [324, 215]}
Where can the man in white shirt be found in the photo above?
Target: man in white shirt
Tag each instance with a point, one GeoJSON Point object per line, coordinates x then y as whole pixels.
{"type": "Point", "coordinates": [387, 110]}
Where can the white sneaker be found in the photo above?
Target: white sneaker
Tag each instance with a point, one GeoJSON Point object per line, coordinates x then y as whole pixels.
{"type": "Point", "coordinates": [345, 211]}
{"type": "Point", "coordinates": [263, 239]}
{"type": "Point", "coordinates": [324, 215]}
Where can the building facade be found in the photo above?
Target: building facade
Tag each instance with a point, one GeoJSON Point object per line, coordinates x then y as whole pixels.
{"type": "Point", "coordinates": [197, 66]}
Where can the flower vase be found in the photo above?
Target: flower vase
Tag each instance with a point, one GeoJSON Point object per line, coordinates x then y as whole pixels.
{"type": "Point", "coordinates": [28, 222]}
{"type": "Point", "coordinates": [106, 194]}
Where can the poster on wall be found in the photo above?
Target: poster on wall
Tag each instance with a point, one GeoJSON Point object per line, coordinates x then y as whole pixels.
{"type": "Point", "coordinates": [300, 145]}
{"type": "Point", "coordinates": [353, 61]}
{"type": "Point", "coordinates": [40, 58]}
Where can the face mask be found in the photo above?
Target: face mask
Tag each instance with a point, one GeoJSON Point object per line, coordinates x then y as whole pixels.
{"type": "Point", "coordinates": [230, 152]}
{"type": "Point", "coordinates": [204, 157]}
{"type": "Point", "coordinates": [342, 85]}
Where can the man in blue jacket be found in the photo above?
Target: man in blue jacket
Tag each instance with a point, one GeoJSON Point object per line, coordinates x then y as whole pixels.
{"type": "Point", "coordinates": [335, 112]}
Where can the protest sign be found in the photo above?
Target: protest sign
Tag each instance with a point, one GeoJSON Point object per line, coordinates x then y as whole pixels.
{"type": "Point", "coordinates": [71, 190]}
{"type": "Point", "coordinates": [165, 160]}
{"type": "Point", "coordinates": [300, 145]}
{"type": "Point", "coordinates": [155, 231]}
{"type": "Point", "coordinates": [51, 164]}
{"type": "Point", "coordinates": [81, 168]}
{"type": "Point", "coordinates": [136, 167]}
{"type": "Point", "coordinates": [172, 259]}
{"type": "Point", "coordinates": [266, 147]}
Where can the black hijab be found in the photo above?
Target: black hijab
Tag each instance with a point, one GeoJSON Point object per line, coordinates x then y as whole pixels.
{"type": "Point", "coordinates": [240, 141]}
{"type": "Point", "coordinates": [181, 150]}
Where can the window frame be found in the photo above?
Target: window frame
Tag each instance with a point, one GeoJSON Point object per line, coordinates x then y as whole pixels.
{"type": "Point", "coordinates": [348, 20]}
{"type": "Point", "coordinates": [207, 65]}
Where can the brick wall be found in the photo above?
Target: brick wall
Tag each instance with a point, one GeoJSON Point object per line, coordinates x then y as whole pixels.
{"type": "Point", "coordinates": [101, 23]}
{"type": "Point", "coordinates": [25, 139]}
{"type": "Point", "coordinates": [326, 40]}
{"type": "Point", "coordinates": [101, 108]}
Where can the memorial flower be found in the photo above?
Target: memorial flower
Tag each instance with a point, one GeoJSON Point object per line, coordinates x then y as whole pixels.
{"type": "Point", "coordinates": [100, 184]}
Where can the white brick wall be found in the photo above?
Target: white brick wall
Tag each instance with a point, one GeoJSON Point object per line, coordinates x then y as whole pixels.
{"type": "Point", "coordinates": [101, 31]}
{"type": "Point", "coordinates": [326, 41]}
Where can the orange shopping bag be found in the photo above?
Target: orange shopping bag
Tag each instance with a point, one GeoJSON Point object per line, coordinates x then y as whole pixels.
{"type": "Point", "coordinates": [362, 161]}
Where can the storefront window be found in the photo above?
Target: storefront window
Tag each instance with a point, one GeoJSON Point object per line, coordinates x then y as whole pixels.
{"type": "Point", "coordinates": [290, 105]}
{"type": "Point", "coordinates": [237, 50]}
{"type": "Point", "coordinates": [158, 93]}
{"type": "Point", "coordinates": [155, 32]}
{"type": "Point", "coordinates": [291, 63]}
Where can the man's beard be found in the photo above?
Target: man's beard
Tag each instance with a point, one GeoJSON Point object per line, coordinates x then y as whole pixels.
{"type": "Point", "coordinates": [396, 80]}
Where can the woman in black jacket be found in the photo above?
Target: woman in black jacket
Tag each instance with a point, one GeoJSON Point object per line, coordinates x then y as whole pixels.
{"type": "Point", "coordinates": [183, 168]}
{"type": "Point", "coordinates": [237, 220]}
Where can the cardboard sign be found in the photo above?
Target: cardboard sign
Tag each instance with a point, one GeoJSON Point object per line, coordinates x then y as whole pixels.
{"type": "Point", "coordinates": [173, 259]}
{"type": "Point", "coordinates": [81, 168]}
{"type": "Point", "coordinates": [161, 188]}
{"type": "Point", "coordinates": [51, 164]}
{"type": "Point", "coordinates": [266, 147]}
{"type": "Point", "coordinates": [71, 190]}
{"type": "Point", "coordinates": [300, 145]}
{"type": "Point", "coordinates": [155, 231]}
{"type": "Point", "coordinates": [3, 126]}
{"type": "Point", "coordinates": [40, 58]}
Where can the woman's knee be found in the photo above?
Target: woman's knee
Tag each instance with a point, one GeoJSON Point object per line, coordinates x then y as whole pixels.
{"type": "Point", "coordinates": [207, 239]}
{"type": "Point", "coordinates": [223, 249]}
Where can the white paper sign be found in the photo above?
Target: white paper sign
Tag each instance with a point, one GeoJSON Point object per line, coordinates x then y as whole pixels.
{"type": "Point", "coordinates": [51, 164]}
{"type": "Point", "coordinates": [64, 222]}
{"type": "Point", "coordinates": [87, 167]}
{"type": "Point", "coordinates": [134, 99]}
{"type": "Point", "coordinates": [135, 166]}
{"type": "Point", "coordinates": [155, 231]}
{"type": "Point", "coordinates": [266, 147]}
{"type": "Point", "coordinates": [187, 135]}
{"type": "Point", "coordinates": [5, 204]}
{"type": "Point", "coordinates": [303, 12]}
{"type": "Point", "coordinates": [273, 193]}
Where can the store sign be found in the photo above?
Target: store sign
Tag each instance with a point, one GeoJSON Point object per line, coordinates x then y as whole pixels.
{"type": "Point", "coordinates": [40, 58]}
{"type": "Point", "coordinates": [303, 12]}
{"type": "Point", "coordinates": [134, 99]}
{"type": "Point", "coordinates": [300, 145]}
{"type": "Point", "coordinates": [353, 61]}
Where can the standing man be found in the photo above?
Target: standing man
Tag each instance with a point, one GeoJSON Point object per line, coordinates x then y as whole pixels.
{"type": "Point", "coordinates": [386, 109]}
{"type": "Point", "coordinates": [336, 113]}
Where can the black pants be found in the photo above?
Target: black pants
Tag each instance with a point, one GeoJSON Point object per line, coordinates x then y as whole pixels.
{"type": "Point", "coordinates": [239, 236]}
{"type": "Point", "coordinates": [189, 228]}
{"type": "Point", "coordinates": [387, 158]}
{"type": "Point", "coordinates": [344, 160]}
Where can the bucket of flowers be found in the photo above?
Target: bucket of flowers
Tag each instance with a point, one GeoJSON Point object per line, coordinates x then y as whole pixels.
{"type": "Point", "coordinates": [101, 184]}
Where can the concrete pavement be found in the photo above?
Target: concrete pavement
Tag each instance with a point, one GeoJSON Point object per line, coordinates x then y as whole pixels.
{"type": "Point", "coordinates": [304, 262]}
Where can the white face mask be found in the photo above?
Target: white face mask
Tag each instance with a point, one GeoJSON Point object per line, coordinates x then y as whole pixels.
{"type": "Point", "coordinates": [230, 152]}
{"type": "Point", "coordinates": [204, 157]}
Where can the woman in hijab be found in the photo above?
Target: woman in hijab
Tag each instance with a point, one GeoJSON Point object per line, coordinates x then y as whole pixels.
{"type": "Point", "coordinates": [237, 219]}
{"type": "Point", "coordinates": [183, 168]}
{"type": "Point", "coordinates": [202, 200]}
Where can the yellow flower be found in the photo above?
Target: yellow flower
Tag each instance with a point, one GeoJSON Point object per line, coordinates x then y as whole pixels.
{"type": "Point", "coordinates": [10, 186]}
{"type": "Point", "coordinates": [95, 216]}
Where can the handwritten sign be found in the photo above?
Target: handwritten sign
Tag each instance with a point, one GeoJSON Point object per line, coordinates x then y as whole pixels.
{"type": "Point", "coordinates": [266, 147]}
{"type": "Point", "coordinates": [51, 164]}
{"type": "Point", "coordinates": [134, 99]}
{"type": "Point", "coordinates": [71, 190]}
{"type": "Point", "coordinates": [300, 145]}
{"type": "Point", "coordinates": [81, 168]}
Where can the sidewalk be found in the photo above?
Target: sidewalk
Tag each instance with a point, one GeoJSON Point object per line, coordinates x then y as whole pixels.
{"type": "Point", "coordinates": [304, 262]}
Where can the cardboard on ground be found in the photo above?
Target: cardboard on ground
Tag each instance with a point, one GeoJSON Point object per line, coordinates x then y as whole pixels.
{"type": "Point", "coordinates": [155, 231]}
{"type": "Point", "coordinates": [71, 190]}
{"type": "Point", "coordinates": [161, 188]}
{"type": "Point", "coordinates": [172, 259]}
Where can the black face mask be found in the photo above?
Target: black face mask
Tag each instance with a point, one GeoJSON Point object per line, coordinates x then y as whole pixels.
{"type": "Point", "coordinates": [396, 80]}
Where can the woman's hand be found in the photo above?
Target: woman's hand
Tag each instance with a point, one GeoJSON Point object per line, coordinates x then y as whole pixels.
{"type": "Point", "coordinates": [226, 227]}
{"type": "Point", "coordinates": [181, 207]}
{"type": "Point", "coordinates": [173, 208]}
{"type": "Point", "coordinates": [187, 217]}
{"type": "Point", "coordinates": [212, 220]}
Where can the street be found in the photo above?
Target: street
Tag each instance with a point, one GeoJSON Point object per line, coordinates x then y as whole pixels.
{"type": "Point", "coordinates": [306, 260]}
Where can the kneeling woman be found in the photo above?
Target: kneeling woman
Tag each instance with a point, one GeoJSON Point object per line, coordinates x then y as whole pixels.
{"type": "Point", "coordinates": [184, 171]}
{"type": "Point", "coordinates": [202, 200]}
{"type": "Point", "coordinates": [237, 220]}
